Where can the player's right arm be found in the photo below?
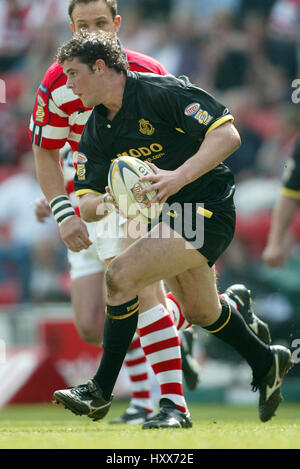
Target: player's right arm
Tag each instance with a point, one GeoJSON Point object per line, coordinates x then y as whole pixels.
{"type": "Point", "coordinates": [49, 173]}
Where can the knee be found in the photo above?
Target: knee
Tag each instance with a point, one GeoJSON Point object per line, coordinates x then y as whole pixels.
{"type": "Point", "coordinates": [89, 333]}
{"type": "Point", "coordinates": [121, 282]}
{"type": "Point", "coordinates": [115, 277]}
{"type": "Point", "coordinates": [89, 322]}
{"type": "Point", "coordinates": [198, 314]}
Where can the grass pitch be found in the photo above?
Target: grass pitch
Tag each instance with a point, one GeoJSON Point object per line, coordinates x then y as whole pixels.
{"type": "Point", "coordinates": [214, 426]}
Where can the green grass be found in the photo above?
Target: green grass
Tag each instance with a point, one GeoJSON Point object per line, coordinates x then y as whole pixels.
{"type": "Point", "coordinates": [214, 426]}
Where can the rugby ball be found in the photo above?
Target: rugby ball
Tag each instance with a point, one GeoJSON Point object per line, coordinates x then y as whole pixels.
{"type": "Point", "coordinates": [124, 184]}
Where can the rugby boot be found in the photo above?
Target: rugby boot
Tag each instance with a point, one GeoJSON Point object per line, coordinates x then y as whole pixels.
{"type": "Point", "coordinates": [85, 399]}
{"type": "Point", "coordinates": [270, 386]}
{"type": "Point", "coordinates": [169, 416]}
{"type": "Point", "coordinates": [133, 415]}
{"type": "Point", "coordinates": [242, 297]}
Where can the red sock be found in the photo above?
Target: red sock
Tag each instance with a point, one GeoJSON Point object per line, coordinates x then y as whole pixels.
{"type": "Point", "coordinates": [136, 367]}
{"type": "Point", "coordinates": [160, 342]}
{"type": "Point", "coordinates": [176, 314]}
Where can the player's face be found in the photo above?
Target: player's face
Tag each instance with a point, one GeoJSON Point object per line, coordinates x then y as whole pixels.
{"type": "Point", "coordinates": [94, 16]}
{"type": "Point", "coordinates": [83, 82]}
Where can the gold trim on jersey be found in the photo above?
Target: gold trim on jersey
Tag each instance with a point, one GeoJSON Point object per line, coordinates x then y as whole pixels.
{"type": "Point", "coordinates": [203, 211]}
{"type": "Point", "coordinates": [291, 193]}
{"type": "Point", "coordinates": [81, 192]}
{"type": "Point", "coordinates": [219, 122]}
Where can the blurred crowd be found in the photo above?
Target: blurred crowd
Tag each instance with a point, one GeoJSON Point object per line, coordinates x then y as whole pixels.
{"type": "Point", "coordinates": [245, 52]}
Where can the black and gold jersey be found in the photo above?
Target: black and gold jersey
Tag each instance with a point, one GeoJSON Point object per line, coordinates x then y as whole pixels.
{"type": "Point", "coordinates": [163, 120]}
{"type": "Point", "coordinates": [291, 175]}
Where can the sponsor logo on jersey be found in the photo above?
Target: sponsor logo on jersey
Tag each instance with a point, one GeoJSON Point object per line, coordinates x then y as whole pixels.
{"type": "Point", "coordinates": [40, 114]}
{"type": "Point", "coordinates": [81, 172]}
{"type": "Point", "coordinates": [41, 101]}
{"type": "Point", "coordinates": [145, 127]}
{"type": "Point", "coordinates": [79, 161]}
{"type": "Point", "coordinates": [191, 109]}
{"type": "Point", "coordinates": [201, 115]}
{"type": "Point", "coordinates": [142, 151]}
{"type": "Point", "coordinates": [79, 157]}
{"type": "Point", "coordinates": [43, 89]}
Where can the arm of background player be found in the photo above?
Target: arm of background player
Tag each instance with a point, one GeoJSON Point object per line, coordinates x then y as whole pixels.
{"type": "Point", "coordinates": [276, 249]}
{"type": "Point", "coordinates": [49, 173]}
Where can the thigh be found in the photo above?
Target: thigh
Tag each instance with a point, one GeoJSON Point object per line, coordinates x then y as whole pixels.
{"type": "Point", "coordinates": [158, 255]}
{"type": "Point", "coordinates": [154, 293]}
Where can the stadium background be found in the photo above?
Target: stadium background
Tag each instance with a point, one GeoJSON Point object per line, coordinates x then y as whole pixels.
{"type": "Point", "coordinates": [247, 53]}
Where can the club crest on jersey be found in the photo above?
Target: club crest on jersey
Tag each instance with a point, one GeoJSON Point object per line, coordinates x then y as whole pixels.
{"type": "Point", "coordinates": [145, 127]}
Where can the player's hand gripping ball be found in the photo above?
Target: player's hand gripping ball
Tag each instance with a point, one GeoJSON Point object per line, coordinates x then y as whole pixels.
{"type": "Point", "coordinates": [124, 184]}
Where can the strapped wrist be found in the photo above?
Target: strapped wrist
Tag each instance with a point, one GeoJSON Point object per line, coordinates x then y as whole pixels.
{"type": "Point", "coordinates": [62, 208]}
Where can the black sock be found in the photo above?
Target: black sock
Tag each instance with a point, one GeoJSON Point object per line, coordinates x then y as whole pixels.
{"type": "Point", "coordinates": [120, 326]}
{"type": "Point", "coordinates": [232, 329]}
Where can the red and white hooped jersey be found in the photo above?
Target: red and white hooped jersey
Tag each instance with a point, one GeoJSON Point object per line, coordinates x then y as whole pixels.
{"type": "Point", "coordinates": [59, 116]}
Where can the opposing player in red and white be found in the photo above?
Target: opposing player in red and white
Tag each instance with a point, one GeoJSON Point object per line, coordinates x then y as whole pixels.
{"type": "Point", "coordinates": [59, 117]}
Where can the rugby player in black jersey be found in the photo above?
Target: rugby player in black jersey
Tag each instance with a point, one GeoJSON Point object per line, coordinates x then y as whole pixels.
{"type": "Point", "coordinates": [284, 211]}
{"type": "Point", "coordinates": [189, 135]}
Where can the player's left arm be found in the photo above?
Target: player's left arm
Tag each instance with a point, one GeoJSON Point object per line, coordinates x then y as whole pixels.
{"type": "Point", "coordinates": [202, 118]}
{"type": "Point", "coordinates": [93, 207]}
{"type": "Point", "coordinates": [217, 145]}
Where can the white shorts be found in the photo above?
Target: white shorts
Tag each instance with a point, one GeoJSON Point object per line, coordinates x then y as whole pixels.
{"type": "Point", "coordinates": [107, 237]}
{"type": "Point", "coordinates": [110, 235]}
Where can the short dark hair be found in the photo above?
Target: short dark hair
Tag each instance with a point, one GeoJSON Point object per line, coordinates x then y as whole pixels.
{"type": "Point", "coordinates": [112, 5]}
{"type": "Point", "coordinates": [89, 47]}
